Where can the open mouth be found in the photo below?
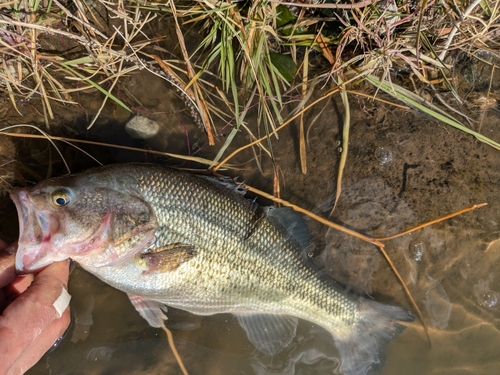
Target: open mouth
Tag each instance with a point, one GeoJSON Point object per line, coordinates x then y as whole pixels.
{"type": "Point", "coordinates": [35, 230]}
{"type": "Point", "coordinates": [21, 199]}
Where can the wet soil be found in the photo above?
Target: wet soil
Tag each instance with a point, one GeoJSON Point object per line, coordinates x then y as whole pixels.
{"type": "Point", "coordinates": [403, 168]}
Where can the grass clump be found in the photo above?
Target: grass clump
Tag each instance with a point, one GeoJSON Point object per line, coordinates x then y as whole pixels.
{"type": "Point", "coordinates": [261, 50]}
{"type": "Point", "coordinates": [51, 50]}
{"type": "Point", "coordinates": [250, 56]}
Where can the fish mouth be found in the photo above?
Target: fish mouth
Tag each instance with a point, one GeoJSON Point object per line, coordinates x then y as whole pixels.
{"type": "Point", "coordinates": [35, 232]}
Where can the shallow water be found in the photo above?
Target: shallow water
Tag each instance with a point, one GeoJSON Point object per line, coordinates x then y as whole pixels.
{"type": "Point", "coordinates": [403, 169]}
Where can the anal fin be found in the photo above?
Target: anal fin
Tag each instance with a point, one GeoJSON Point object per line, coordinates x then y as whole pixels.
{"type": "Point", "coordinates": [153, 312]}
{"type": "Point", "coordinates": [269, 333]}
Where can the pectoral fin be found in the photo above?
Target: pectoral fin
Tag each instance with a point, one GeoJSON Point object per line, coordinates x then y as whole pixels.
{"type": "Point", "coordinates": [269, 333]}
{"type": "Point", "coordinates": [150, 310]}
{"type": "Point", "coordinates": [167, 258]}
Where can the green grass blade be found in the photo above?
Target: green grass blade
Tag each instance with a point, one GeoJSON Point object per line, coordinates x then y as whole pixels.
{"type": "Point", "coordinates": [413, 100]}
{"type": "Point", "coordinates": [95, 85]}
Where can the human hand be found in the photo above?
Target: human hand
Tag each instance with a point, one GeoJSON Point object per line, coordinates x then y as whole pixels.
{"type": "Point", "coordinates": [34, 312]}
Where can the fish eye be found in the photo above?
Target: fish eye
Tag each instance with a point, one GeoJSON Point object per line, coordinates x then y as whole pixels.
{"type": "Point", "coordinates": [62, 197]}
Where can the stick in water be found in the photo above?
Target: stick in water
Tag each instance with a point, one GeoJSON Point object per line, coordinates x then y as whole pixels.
{"type": "Point", "coordinates": [174, 350]}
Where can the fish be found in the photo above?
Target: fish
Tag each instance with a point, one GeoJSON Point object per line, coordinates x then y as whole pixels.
{"type": "Point", "coordinates": [169, 238]}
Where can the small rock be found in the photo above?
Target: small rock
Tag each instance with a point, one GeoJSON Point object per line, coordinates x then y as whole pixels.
{"type": "Point", "coordinates": [142, 128]}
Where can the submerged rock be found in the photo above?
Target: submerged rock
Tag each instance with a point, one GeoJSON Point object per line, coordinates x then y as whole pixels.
{"type": "Point", "coordinates": [141, 127]}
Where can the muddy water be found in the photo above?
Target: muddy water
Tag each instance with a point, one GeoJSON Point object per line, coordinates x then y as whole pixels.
{"type": "Point", "coordinates": [403, 169]}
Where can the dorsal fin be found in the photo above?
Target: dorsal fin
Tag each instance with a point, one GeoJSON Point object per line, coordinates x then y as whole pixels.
{"type": "Point", "coordinates": [228, 183]}
{"type": "Point", "coordinates": [292, 222]}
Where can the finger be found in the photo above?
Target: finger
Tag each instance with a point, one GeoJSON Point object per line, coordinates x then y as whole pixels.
{"type": "Point", "coordinates": [7, 273]}
{"type": "Point", "coordinates": [10, 292]}
{"type": "Point", "coordinates": [32, 312]}
{"type": "Point", "coordinates": [7, 268]}
{"type": "Point", "coordinates": [40, 345]}
{"type": "Point", "coordinates": [18, 286]}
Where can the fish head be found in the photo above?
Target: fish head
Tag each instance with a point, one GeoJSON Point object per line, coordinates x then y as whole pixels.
{"type": "Point", "coordinates": [93, 223]}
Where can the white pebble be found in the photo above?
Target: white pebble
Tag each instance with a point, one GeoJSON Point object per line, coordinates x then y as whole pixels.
{"type": "Point", "coordinates": [142, 128]}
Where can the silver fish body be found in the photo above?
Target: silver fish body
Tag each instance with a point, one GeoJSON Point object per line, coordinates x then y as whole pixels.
{"type": "Point", "coordinates": [168, 237]}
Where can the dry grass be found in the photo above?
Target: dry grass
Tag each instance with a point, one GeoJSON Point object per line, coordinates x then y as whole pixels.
{"type": "Point", "coordinates": [53, 50]}
{"type": "Point", "coordinates": [256, 52]}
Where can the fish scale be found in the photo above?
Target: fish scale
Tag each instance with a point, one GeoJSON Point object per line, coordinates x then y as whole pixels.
{"type": "Point", "coordinates": [172, 238]}
{"type": "Point", "coordinates": [254, 275]}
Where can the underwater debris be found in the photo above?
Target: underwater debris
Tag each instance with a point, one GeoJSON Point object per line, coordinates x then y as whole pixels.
{"type": "Point", "coordinates": [485, 296]}
{"type": "Point", "coordinates": [383, 155]}
{"type": "Point", "coordinates": [437, 304]}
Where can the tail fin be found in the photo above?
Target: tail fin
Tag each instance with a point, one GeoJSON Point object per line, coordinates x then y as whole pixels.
{"type": "Point", "coordinates": [361, 350]}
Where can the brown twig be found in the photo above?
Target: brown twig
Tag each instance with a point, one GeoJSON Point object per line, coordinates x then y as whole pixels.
{"type": "Point", "coordinates": [381, 248]}
{"type": "Point", "coordinates": [69, 140]}
{"type": "Point", "coordinates": [310, 214]}
{"type": "Point", "coordinates": [442, 218]}
{"type": "Point", "coordinates": [170, 339]}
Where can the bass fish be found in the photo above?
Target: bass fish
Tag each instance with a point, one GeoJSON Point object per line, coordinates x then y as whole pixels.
{"type": "Point", "coordinates": [170, 238]}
